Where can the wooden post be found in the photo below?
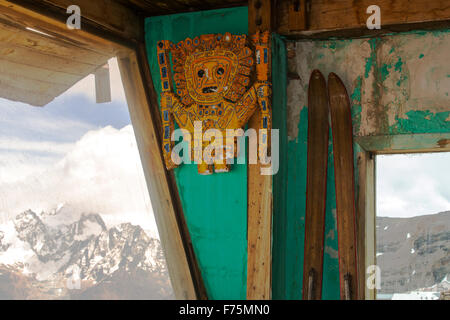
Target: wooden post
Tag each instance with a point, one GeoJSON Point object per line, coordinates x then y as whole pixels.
{"type": "Point", "coordinates": [155, 174]}
{"type": "Point", "coordinates": [259, 208]}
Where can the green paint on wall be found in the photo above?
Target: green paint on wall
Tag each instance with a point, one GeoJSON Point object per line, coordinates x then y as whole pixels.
{"type": "Point", "coordinates": [422, 122]}
{"type": "Point", "coordinates": [421, 56]}
{"type": "Point", "coordinates": [215, 206]}
{"type": "Point", "coordinates": [280, 254]}
{"type": "Point", "coordinates": [356, 104]}
{"type": "Point", "coordinates": [398, 65]}
{"type": "Point", "coordinates": [384, 71]}
{"type": "Point", "coordinates": [372, 59]}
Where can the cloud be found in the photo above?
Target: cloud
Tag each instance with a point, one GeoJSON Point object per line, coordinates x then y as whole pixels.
{"type": "Point", "coordinates": [101, 173]}
{"type": "Point", "coordinates": [15, 144]}
{"type": "Point", "coordinates": [414, 184]}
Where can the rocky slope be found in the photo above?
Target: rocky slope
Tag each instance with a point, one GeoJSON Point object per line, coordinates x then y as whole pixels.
{"type": "Point", "coordinates": [48, 256]}
{"type": "Point", "coordinates": [413, 253]}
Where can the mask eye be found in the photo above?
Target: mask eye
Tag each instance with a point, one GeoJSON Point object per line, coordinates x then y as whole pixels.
{"type": "Point", "coordinates": [220, 71]}
{"type": "Point", "coordinates": [201, 73]}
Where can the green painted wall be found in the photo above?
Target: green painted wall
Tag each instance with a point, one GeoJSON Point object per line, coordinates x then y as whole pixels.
{"type": "Point", "coordinates": [398, 85]}
{"type": "Point", "coordinates": [215, 206]}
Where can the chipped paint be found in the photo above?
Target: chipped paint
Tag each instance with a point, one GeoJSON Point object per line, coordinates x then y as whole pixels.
{"type": "Point", "coordinates": [398, 85]}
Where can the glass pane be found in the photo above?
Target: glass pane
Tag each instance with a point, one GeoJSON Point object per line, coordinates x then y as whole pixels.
{"type": "Point", "coordinates": [413, 225]}
{"type": "Point", "coordinates": [76, 220]}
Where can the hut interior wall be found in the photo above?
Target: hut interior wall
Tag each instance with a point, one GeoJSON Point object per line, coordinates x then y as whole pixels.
{"type": "Point", "coordinates": [215, 206]}
{"type": "Point", "coordinates": [398, 85]}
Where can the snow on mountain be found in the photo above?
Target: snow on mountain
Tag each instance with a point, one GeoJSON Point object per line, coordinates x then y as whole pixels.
{"type": "Point", "coordinates": [418, 260]}
{"type": "Point", "coordinates": [66, 245]}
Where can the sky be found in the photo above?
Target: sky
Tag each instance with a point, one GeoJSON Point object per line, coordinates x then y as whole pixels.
{"type": "Point", "coordinates": [75, 152]}
{"type": "Point", "coordinates": [413, 184]}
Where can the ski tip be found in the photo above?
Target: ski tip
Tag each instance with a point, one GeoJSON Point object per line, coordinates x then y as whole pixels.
{"type": "Point", "coordinates": [316, 74]}
{"type": "Point", "coordinates": [333, 77]}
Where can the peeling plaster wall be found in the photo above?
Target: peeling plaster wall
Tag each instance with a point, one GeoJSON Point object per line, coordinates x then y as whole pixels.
{"type": "Point", "coordinates": [399, 88]}
{"type": "Point", "coordinates": [399, 84]}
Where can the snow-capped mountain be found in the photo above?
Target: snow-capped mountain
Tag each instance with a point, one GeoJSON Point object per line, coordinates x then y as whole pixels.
{"type": "Point", "coordinates": [67, 255]}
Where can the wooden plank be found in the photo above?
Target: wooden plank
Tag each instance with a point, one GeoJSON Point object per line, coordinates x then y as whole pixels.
{"type": "Point", "coordinates": [170, 177]}
{"type": "Point", "coordinates": [370, 217]}
{"type": "Point", "coordinates": [259, 208]}
{"type": "Point", "coordinates": [155, 173]}
{"type": "Point", "coordinates": [40, 18]}
{"type": "Point", "coordinates": [325, 15]}
{"type": "Point", "coordinates": [32, 58]}
{"type": "Point", "coordinates": [259, 15]}
{"type": "Point", "coordinates": [17, 70]}
{"type": "Point", "coordinates": [316, 186]}
{"type": "Point", "coordinates": [297, 17]}
{"type": "Point", "coordinates": [15, 35]}
{"type": "Point", "coordinates": [341, 124]}
{"type": "Point", "coordinates": [26, 96]}
{"type": "Point", "coordinates": [153, 8]}
{"type": "Point", "coordinates": [102, 84]}
{"type": "Point", "coordinates": [109, 18]}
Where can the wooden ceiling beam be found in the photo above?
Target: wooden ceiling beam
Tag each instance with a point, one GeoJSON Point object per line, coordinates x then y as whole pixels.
{"type": "Point", "coordinates": [348, 18]}
{"type": "Point", "coordinates": [107, 19]}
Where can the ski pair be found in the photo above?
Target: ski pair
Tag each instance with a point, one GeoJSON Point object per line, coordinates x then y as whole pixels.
{"type": "Point", "coordinates": [325, 103]}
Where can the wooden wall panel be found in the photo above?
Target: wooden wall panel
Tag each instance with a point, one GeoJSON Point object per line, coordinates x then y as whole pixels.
{"type": "Point", "coordinates": [339, 15]}
{"type": "Point", "coordinates": [259, 208]}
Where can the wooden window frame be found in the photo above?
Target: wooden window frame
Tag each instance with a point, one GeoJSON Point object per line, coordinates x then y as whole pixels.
{"type": "Point", "coordinates": [129, 48]}
{"type": "Point", "coordinates": [366, 191]}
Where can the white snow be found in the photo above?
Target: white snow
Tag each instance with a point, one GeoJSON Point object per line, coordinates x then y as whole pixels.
{"type": "Point", "coordinates": [379, 254]}
{"type": "Point", "coordinates": [90, 228]}
{"type": "Point", "coordinates": [416, 295]}
{"type": "Point", "coordinates": [412, 250]}
{"type": "Point", "coordinates": [385, 228]}
{"type": "Point", "coordinates": [408, 235]}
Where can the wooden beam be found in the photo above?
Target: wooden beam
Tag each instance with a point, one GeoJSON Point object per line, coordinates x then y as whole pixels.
{"type": "Point", "coordinates": [259, 209]}
{"type": "Point", "coordinates": [102, 84]}
{"type": "Point", "coordinates": [170, 177]}
{"type": "Point", "coordinates": [155, 173]}
{"type": "Point", "coordinates": [297, 17]}
{"type": "Point", "coordinates": [348, 18]}
{"type": "Point", "coordinates": [107, 19]}
{"type": "Point", "coordinates": [33, 58]}
{"type": "Point", "coordinates": [15, 34]}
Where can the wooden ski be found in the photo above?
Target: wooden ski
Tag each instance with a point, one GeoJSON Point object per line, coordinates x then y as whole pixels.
{"type": "Point", "coordinates": [316, 186]}
{"type": "Point", "coordinates": [341, 126]}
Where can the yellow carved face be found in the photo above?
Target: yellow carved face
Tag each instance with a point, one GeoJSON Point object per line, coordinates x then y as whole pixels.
{"type": "Point", "coordinates": [209, 75]}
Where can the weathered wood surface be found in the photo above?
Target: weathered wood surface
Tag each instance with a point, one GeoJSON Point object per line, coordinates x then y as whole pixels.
{"type": "Point", "coordinates": [316, 186]}
{"type": "Point", "coordinates": [39, 65]}
{"type": "Point", "coordinates": [157, 181]}
{"type": "Point", "coordinates": [153, 8]}
{"type": "Point", "coordinates": [259, 208]}
{"type": "Point", "coordinates": [153, 106]}
{"type": "Point", "coordinates": [108, 18]}
{"type": "Point", "coordinates": [341, 124]}
{"type": "Point", "coordinates": [331, 17]}
{"type": "Point", "coordinates": [297, 15]}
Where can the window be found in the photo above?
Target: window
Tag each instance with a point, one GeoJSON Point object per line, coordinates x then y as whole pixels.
{"type": "Point", "coordinates": [76, 220]}
{"type": "Point", "coordinates": [413, 225]}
